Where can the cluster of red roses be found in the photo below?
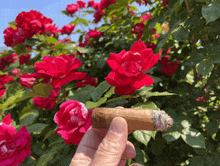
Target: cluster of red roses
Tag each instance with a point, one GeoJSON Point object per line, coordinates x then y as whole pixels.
{"type": "Point", "coordinates": [139, 30]}
{"type": "Point", "coordinates": [28, 24]}
{"type": "Point", "coordinates": [88, 36]}
{"type": "Point", "coordinates": [168, 67]}
{"type": "Point", "coordinates": [99, 7]}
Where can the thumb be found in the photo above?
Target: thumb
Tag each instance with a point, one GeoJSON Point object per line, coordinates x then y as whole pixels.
{"type": "Point", "coordinates": [111, 148]}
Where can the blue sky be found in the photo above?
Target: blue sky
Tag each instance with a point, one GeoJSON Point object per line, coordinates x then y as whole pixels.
{"type": "Point", "coordinates": [9, 9]}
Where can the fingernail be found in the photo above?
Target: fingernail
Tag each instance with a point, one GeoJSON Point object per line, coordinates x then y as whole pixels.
{"type": "Point", "coordinates": [117, 126]}
{"type": "Point", "coordinates": [132, 151]}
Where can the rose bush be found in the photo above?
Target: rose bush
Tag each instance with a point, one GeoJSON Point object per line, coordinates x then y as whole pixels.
{"type": "Point", "coordinates": [122, 61]}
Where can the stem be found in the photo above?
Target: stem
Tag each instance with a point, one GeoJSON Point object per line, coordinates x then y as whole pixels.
{"type": "Point", "coordinates": [58, 95]}
{"type": "Point", "coordinates": [127, 103]}
{"type": "Point", "coordinates": [64, 92]}
{"type": "Point", "coordinates": [2, 114]}
{"type": "Point", "coordinates": [187, 7]}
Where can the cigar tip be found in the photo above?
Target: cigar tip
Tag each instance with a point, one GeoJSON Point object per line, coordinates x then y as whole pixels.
{"type": "Point", "coordinates": [162, 120]}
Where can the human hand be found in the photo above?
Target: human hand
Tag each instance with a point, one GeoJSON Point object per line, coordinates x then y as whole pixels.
{"type": "Point", "coordinates": [105, 147]}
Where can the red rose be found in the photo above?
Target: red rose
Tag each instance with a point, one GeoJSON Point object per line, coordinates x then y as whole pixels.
{"type": "Point", "coordinates": [90, 4]}
{"type": "Point", "coordinates": [168, 68]}
{"type": "Point", "coordinates": [81, 4]}
{"type": "Point", "coordinates": [155, 36]}
{"type": "Point", "coordinates": [138, 29]}
{"type": "Point", "coordinates": [7, 60]}
{"type": "Point", "coordinates": [89, 80]}
{"type": "Point", "coordinates": [32, 23]}
{"type": "Point", "coordinates": [23, 59]}
{"type": "Point", "coordinates": [127, 67]}
{"type": "Point", "coordinates": [142, 1]}
{"type": "Point", "coordinates": [152, 30]}
{"type": "Point", "coordinates": [67, 29]}
{"type": "Point", "coordinates": [15, 71]}
{"type": "Point", "coordinates": [98, 14]}
{"type": "Point", "coordinates": [44, 102]}
{"type": "Point", "coordinates": [12, 38]}
{"type": "Point", "coordinates": [60, 69]}
{"type": "Point", "coordinates": [3, 80]}
{"type": "Point", "coordinates": [105, 3]}
{"type": "Point", "coordinates": [94, 33]}
{"type": "Point", "coordinates": [72, 8]}
{"type": "Point", "coordinates": [50, 30]}
{"type": "Point", "coordinates": [28, 80]}
{"type": "Point", "coordinates": [168, 52]}
{"type": "Point", "coordinates": [145, 17]}
{"type": "Point", "coordinates": [73, 121]}
{"type": "Point", "coordinates": [65, 40]}
{"type": "Point", "coordinates": [151, 45]}
{"type": "Point", "coordinates": [14, 147]}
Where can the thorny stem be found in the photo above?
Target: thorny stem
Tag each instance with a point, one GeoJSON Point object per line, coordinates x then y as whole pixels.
{"type": "Point", "coordinates": [187, 7]}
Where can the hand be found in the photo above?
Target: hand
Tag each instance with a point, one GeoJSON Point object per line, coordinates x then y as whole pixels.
{"type": "Point", "coordinates": [105, 147]}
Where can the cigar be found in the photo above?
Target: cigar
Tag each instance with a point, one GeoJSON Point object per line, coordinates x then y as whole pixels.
{"type": "Point", "coordinates": [137, 119]}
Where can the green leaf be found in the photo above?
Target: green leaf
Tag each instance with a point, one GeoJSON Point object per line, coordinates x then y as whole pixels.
{"type": "Point", "coordinates": [194, 59]}
{"type": "Point", "coordinates": [197, 161]}
{"type": "Point", "coordinates": [216, 158]}
{"type": "Point", "coordinates": [50, 40]}
{"type": "Point", "coordinates": [141, 156]}
{"type": "Point", "coordinates": [82, 20]}
{"type": "Point", "coordinates": [30, 42]}
{"type": "Point", "coordinates": [212, 128]}
{"type": "Point", "coordinates": [12, 24]}
{"type": "Point", "coordinates": [148, 105]}
{"type": "Point", "coordinates": [64, 12]}
{"type": "Point", "coordinates": [163, 41]}
{"type": "Point", "coordinates": [29, 117]}
{"type": "Point", "coordinates": [172, 133]}
{"type": "Point", "coordinates": [142, 136]}
{"type": "Point", "coordinates": [19, 96]}
{"type": "Point", "coordinates": [37, 127]}
{"type": "Point", "coordinates": [83, 94]}
{"type": "Point", "coordinates": [149, 94]}
{"type": "Point", "coordinates": [208, 160]}
{"type": "Point", "coordinates": [51, 132]}
{"type": "Point", "coordinates": [101, 63]}
{"type": "Point", "coordinates": [41, 37]}
{"type": "Point", "coordinates": [42, 89]}
{"type": "Point", "coordinates": [201, 0]}
{"type": "Point", "coordinates": [205, 67]}
{"type": "Point", "coordinates": [82, 50]}
{"type": "Point", "coordinates": [193, 138]}
{"type": "Point", "coordinates": [46, 157]}
{"type": "Point", "coordinates": [211, 12]}
{"type": "Point", "coordinates": [181, 34]}
{"type": "Point", "coordinates": [59, 46]}
{"type": "Point", "coordinates": [99, 90]}
{"type": "Point", "coordinates": [144, 90]}
{"type": "Point", "coordinates": [20, 49]}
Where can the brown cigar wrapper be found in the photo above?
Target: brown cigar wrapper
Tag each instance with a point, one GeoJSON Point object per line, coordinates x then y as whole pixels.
{"type": "Point", "coordinates": [137, 119]}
